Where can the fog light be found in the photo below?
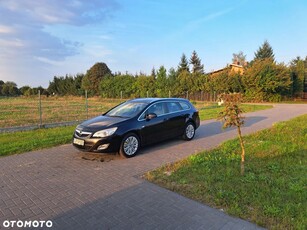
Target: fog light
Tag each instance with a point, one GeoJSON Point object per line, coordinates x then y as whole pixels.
{"type": "Point", "coordinates": [102, 147]}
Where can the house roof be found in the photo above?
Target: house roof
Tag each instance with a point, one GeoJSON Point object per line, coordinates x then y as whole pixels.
{"type": "Point", "coordinates": [225, 68]}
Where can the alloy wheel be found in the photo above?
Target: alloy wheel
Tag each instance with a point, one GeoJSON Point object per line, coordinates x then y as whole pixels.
{"type": "Point", "coordinates": [190, 131]}
{"type": "Point", "coordinates": [131, 145]}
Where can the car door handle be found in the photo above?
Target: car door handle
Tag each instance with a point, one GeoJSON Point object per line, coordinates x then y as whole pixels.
{"type": "Point", "coordinates": [166, 119]}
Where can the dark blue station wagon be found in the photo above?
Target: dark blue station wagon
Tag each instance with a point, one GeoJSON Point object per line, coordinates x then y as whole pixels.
{"type": "Point", "coordinates": [136, 123]}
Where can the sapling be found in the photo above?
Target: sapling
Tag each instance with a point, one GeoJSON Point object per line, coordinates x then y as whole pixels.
{"type": "Point", "coordinates": [232, 116]}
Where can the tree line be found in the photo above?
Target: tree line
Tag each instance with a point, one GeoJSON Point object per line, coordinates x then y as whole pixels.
{"type": "Point", "coordinates": [262, 79]}
{"type": "Point", "coordinates": [10, 89]}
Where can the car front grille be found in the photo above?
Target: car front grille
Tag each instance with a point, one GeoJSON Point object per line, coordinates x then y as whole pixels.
{"type": "Point", "coordinates": [82, 134]}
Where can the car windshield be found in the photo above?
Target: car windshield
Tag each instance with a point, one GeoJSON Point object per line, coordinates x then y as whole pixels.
{"type": "Point", "coordinates": [127, 109]}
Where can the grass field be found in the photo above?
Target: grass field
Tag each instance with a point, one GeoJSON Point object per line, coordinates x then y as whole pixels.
{"type": "Point", "coordinates": [273, 191]}
{"type": "Point", "coordinates": [24, 111]}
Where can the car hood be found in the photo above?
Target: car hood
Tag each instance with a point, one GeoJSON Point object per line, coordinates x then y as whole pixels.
{"type": "Point", "coordinates": [100, 122]}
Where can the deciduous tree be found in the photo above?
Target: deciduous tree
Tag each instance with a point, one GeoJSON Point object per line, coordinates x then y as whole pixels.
{"type": "Point", "coordinates": [185, 83]}
{"type": "Point", "coordinates": [93, 77]}
{"type": "Point", "coordinates": [143, 85]}
{"type": "Point", "coordinates": [9, 88]}
{"type": "Point", "coordinates": [266, 81]}
{"type": "Point", "coordinates": [298, 68]}
{"type": "Point", "coordinates": [239, 58]}
{"type": "Point", "coordinates": [25, 90]}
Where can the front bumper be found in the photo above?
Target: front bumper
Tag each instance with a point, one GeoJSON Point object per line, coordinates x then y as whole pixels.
{"type": "Point", "coordinates": [107, 144]}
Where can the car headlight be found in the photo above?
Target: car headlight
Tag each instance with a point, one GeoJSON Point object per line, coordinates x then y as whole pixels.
{"type": "Point", "coordinates": [105, 132]}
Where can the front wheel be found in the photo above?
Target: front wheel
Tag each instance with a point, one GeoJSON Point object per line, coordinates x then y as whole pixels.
{"type": "Point", "coordinates": [189, 131]}
{"type": "Point", "coordinates": [129, 145]}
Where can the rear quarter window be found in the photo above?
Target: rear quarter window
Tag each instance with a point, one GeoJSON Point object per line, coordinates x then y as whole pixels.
{"type": "Point", "coordinates": [184, 105]}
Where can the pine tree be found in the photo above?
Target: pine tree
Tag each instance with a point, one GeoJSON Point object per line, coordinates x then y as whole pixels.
{"type": "Point", "coordinates": [264, 51]}
{"type": "Point", "coordinates": [183, 65]}
{"type": "Point", "coordinates": [196, 62]}
{"type": "Point", "coordinates": [161, 82]}
{"type": "Point", "coordinates": [153, 73]}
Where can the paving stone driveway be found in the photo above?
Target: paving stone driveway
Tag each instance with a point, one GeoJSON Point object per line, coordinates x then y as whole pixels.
{"type": "Point", "coordinates": [58, 184]}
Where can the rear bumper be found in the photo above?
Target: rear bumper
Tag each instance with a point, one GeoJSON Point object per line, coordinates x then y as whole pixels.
{"type": "Point", "coordinates": [197, 120]}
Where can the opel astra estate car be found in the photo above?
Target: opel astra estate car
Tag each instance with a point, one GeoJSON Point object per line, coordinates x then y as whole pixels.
{"type": "Point", "coordinates": [136, 123]}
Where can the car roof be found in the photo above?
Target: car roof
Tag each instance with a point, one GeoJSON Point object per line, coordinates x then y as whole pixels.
{"type": "Point", "coordinates": [154, 99]}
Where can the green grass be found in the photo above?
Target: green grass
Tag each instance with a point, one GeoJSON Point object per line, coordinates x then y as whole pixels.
{"type": "Point", "coordinates": [19, 142]}
{"type": "Point", "coordinates": [273, 191]}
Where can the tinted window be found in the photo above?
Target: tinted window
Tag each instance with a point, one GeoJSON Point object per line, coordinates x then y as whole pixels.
{"type": "Point", "coordinates": [184, 105]}
{"type": "Point", "coordinates": [173, 107]}
{"type": "Point", "coordinates": [157, 108]}
{"type": "Point", "coordinates": [127, 109]}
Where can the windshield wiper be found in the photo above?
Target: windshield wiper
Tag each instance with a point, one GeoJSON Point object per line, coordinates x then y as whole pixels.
{"type": "Point", "coordinates": [116, 116]}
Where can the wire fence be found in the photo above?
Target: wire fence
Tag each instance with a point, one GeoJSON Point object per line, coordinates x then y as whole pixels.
{"type": "Point", "coordinates": [201, 96]}
{"type": "Point", "coordinates": [26, 113]}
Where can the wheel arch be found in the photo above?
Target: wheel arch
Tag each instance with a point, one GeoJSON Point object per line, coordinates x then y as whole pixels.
{"type": "Point", "coordinates": [190, 120]}
{"type": "Point", "coordinates": [137, 133]}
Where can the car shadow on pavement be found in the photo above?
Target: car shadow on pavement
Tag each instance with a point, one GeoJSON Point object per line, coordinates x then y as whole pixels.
{"type": "Point", "coordinates": [253, 120]}
{"type": "Point", "coordinates": [215, 127]}
{"type": "Point", "coordinates": [142, 206]}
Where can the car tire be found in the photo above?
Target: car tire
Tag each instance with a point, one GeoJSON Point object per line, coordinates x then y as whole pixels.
{"type": "Point", "coordinates": [130, 145]}
{"type": "Point", "coordinates": [189, 131]}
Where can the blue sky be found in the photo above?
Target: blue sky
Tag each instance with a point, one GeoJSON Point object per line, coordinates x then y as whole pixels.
{"type": "Point", "coordinates": [46, 38]}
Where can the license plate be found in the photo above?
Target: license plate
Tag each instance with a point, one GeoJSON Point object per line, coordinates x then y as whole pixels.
{"type": "Point", "coordinates": [78, 141]}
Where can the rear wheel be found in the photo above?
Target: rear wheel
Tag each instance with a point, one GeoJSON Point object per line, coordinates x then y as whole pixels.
{"type": "Point", "coordinates": [130, 145]}
{"type": "Point", "coordinates": [189, 131]}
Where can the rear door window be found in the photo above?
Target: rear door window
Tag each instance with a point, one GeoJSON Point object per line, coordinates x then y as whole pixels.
{"type": "Point", "coordinates": [174, 107]}
{"type": "Point", "coordinates": [158, 108]}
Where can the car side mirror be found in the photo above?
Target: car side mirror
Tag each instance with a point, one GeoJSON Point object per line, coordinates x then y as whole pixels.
{"type": "Point", "coordinates": [150, 116]}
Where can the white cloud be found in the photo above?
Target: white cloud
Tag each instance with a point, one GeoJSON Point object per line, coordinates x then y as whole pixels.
{"type": "Point", "coordinates": [59, 11]}
{"type": "Point", "coordinates": [23, 22]}
{"type": "Point", "coordinates": [214, 15]}
{"type": "Point", "coordinates": [6, 29]}
{"type": "Point", "coordinates": [23, 35]}
{"type": "Point", "coordinates": [97, 51]}
{"type": "Point", "coordinates": [48, 61]}
{"type": "Point", "coordinates": [105, 37]}
{"type": "Point", "coordinates": [11, 43]}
